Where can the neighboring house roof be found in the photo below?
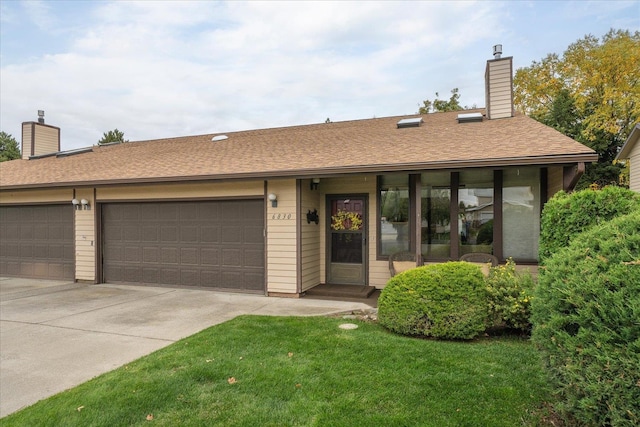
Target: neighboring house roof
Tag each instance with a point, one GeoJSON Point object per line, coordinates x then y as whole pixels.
{"type": "Point", "coordinates": [633, 139]}
{"type": "Point", "coordinates": [359, 146]}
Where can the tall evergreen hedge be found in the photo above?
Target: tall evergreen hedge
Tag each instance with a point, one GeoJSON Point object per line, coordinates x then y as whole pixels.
{"type": "Point", "coordinates": [586, 317]}
{"type": "Point", "coordinates": [567, 215]}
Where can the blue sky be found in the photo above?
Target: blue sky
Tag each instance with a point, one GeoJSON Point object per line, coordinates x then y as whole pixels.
{"type": "Point", "coordinates": [156, 69]}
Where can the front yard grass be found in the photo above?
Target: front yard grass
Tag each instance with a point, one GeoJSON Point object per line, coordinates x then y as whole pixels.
{"type": "Point", "coordinates": [305, 371]}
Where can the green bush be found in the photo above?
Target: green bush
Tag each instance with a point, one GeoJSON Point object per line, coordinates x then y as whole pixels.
{"type": "Point", "coordinates": [444, 300]}
{"type": "Point", "coordinates": [566, 215]}
{"type": "Point", "coordinates": [586, 322]}
{"type": "Point", "coordinates": [509, 297]}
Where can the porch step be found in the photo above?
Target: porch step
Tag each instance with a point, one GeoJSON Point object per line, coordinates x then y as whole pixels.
{"type": "Point", "coordinates": [341, 291]}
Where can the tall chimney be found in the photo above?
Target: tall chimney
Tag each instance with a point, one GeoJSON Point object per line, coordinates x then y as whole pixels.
{"type": "Point", "coordinates": [39, 139]}
{"type": "Point", "coordinates": [499, 85]}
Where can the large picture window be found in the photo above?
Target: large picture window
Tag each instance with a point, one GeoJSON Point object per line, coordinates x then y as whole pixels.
{"type": "Point", "coordinates": [521, 213]}
{"type": "Point", "coordinates": [436, 215]}
{"type": "Point", "coordinates": [394, 214]}
{"type": "Point", "coordinates": [475, 211]}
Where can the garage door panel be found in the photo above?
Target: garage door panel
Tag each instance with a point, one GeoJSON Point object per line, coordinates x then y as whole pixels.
{"type": "Point", "coordinates": [210, 256]}
{"type": "Point", "coordinates": [189, 256]}
{"type": "Point", "coordinates": [169, 234]}
{"type": "Point", "coordinates": [254, 258]}
{"type": "Point", "coordinates": [253, 235]}
{"type": "Point", "coordinates": [232, 257]}
{"type": "Point", "coordinates": [150, 275]}
{"type": "Point", "coordinates": [150, 234]}
{"type": "Point", "coordinates": [27, 232]}
{"type": "Point", "coordinates": [210, 234]}
{"type": "Point", "coordinates": [169, 255]}
{"type": "Point", "coordinates": [26, 250]}
{"type": "Point", "coordinates": [189, 234]}
{"type": "Point", "coordinates": [204, 244]}
{"type": "Point", "coordinates": [168, 212]}
{"type": "Point", "coordinates": [232, 234]}
{"type": "Point", "coordinates": [150, 254]}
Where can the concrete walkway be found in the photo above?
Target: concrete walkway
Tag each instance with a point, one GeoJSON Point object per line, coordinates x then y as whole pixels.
{"type": "Point", "coordinates": [56, 335]}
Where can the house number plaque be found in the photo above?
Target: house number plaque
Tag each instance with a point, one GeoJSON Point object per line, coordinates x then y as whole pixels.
{"type": "Point", "coordinates": [281, 216]}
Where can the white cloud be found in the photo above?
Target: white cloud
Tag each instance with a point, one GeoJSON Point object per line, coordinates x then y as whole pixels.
{"type": "Point", "coordinates": [161, 69]}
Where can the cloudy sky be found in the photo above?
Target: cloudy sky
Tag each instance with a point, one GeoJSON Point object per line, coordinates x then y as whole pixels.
{"type": "Point", "coordinates": [157, 69]}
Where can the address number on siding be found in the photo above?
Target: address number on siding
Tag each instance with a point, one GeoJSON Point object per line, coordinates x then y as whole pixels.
{"type": "Point", "coordinates": [281, 216]}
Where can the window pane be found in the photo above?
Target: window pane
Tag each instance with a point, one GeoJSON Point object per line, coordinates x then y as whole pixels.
{"type": "Point", "coordinates": [394, 213]}
{"type": "Point", "coordinates": [521, 213]}
{"type": "Point", "coordinates": [475, 200]}
{"type": "Point", "coordinates": [436, 226]}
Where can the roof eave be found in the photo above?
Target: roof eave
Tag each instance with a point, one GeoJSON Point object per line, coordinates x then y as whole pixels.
{"type": "Point", "coordinates": [625, 151]}
{"type": "Point", "coordinates": [331, 171]}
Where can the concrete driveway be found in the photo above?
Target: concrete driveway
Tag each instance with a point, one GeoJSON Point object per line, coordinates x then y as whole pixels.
{"type": "Point", "coordinates": [56, 335]}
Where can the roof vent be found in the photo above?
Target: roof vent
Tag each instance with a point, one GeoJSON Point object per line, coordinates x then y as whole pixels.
{"type": "Point", "coordinates": [410, 123]}
{"type": "Point", "coordinates": [219, 138]}
{"type": "Point", "coordinates": [469, 117]}
{"type": "Point", "coordinates": [497, 51]}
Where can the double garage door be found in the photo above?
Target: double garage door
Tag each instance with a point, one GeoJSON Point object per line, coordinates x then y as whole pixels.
{"type": "Point", "coordinates": [37, 242]}
{"type": "Point", "coordinates": [213, 244]}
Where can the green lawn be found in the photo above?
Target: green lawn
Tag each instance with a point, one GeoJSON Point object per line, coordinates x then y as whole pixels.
{"type": "Point", "coordinates": [289, 371]}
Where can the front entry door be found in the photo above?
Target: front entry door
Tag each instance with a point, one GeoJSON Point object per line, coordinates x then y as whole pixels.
{"type": "Point", "coordinates": [347, 240]}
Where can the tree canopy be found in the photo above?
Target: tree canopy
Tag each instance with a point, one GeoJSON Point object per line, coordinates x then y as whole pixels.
{"type": "Point", "coordinates": [9, 149]}
{"type": "Point", "coordinates": [112, 136]}
{"type": "Point", "coordinates": [591, 93]}
{"type": "Point", "coordinates": [453, 104]}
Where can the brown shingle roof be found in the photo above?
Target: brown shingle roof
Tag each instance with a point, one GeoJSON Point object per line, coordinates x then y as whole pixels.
{"type": "Point", "coordinates": [372, 145]}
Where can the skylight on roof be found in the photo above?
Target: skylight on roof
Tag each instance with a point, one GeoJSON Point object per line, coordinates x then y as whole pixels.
{"type": "Point", "coordinates": [219, 138]}
{"type": "Point", "coordinates": [410, 123]}
{"type": "Point", "coordinates": [469, 117]}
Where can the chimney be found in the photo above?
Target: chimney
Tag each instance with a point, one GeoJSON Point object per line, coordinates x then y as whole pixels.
{"type": "Point", "coordinates": [499, 85]}
{"type": "Point", "coordinates": [39, 139]}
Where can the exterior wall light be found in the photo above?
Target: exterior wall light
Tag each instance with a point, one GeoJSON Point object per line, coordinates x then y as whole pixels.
{"type": "Point", "coordinates": [274, 200]}
{"type": "Point", "coordinates": [314, 183]}
{"type": "Point", "coordinates": [85, 204]}
{"type": "Point", "coordinates": [76, 204]}
{"type": "Point", "coordinates": [313, 217]}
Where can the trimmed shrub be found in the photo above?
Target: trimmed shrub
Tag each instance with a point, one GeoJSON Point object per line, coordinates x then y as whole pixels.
{"type": "Point", "coordinates": [509, 296]}
{"type": "Point", "coordinates": [566, 215]}
{"type": "Point", "coordinates": [586, 322]}
{"type": "Point", "coordinates": [444, 300]}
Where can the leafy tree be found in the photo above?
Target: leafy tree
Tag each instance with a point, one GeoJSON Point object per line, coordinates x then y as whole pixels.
{"type": "Point", "coordinates": [112, 136]}
{"type": "Point", "coordinates": [9, 149]}
{"type": "Point", "coordinates": [453, 104]}
{"type": "Point", "coordinates": [590, 94]}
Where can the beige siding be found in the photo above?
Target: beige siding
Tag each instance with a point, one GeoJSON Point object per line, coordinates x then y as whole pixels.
{"type": "Point", "coordinates": [26, 197]}
{"type": "Point", "coordinates": [310, 252]}
{"type": "Point", "coordinates": [282, 254]}
{"type": "Point", "coordinates": [634, 168]}
{"type": "Point", "coordinates": [47, 139]}
{"type": "Point", "coordinates": [85, 238]}
{"type": "Point", "coordinates": [26, 140]}
{"type": "Point", "coordinates": [182, 191]}
{"type": "Point", "coordinates": [554, 180]}
{"type": "Point", "coordinates": [499, 90]}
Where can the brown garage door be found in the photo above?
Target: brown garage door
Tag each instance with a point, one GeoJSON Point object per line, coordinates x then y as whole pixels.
{"type": "Point", "coordinates": [215, 244]}
{"type": "Point", "coordinates": [37, 242]}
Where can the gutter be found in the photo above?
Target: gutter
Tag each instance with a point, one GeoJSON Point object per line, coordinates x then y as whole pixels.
{"type": "Point", "coordinates": [329, 171]}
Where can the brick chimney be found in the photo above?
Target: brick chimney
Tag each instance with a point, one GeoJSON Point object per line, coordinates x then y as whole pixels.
{"type": "Point", "coordinates": [498, 78]}
{"type": "Point", "coordinates": [38, 138]}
